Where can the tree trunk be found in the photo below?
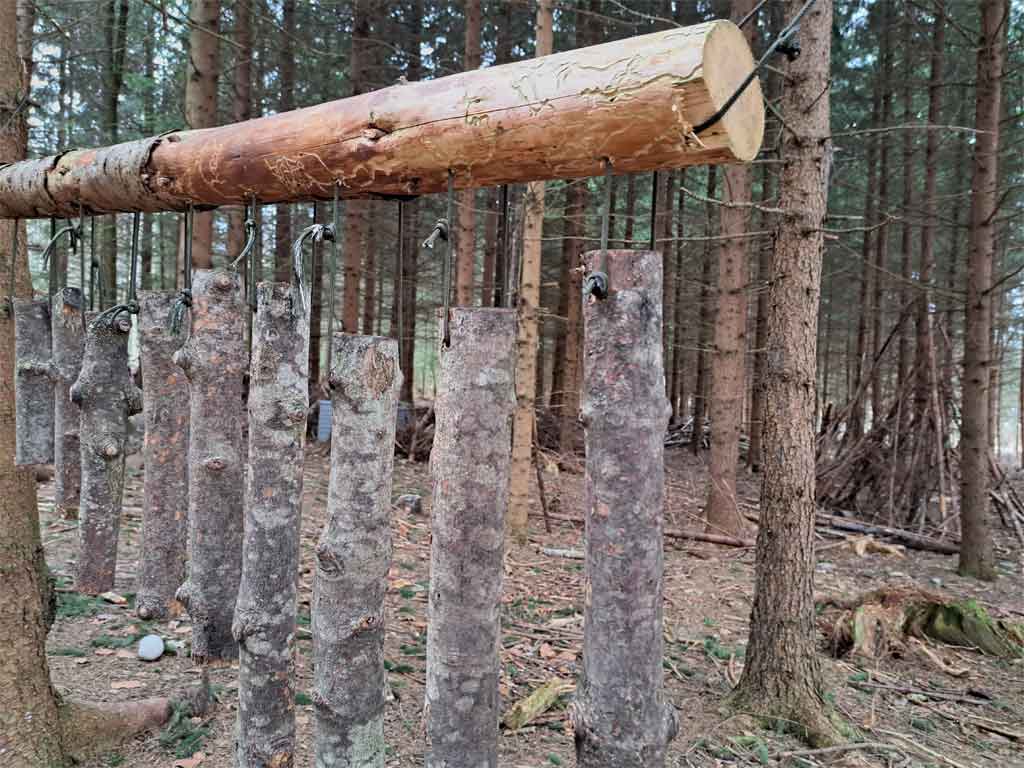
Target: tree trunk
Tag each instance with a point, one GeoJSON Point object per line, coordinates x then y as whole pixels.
{"type": "Point", "coordinates": [356, 211]}
{"type": "Point", "coordinates": [470, 467]}
{"type": "Point", "coordinates": [755, 456]}
{"type": "Point", "coordinates": [68, 334]}
{"type": "Point", "coordinates": [409, 278]}
{"type": "Point", "coordinates": [115, 29]}
{"type": "Point", "coordinates": [201, 103]}
{"type": "Point", "coordinates": [161, 568]}
{"type": "Point", "coordinates": [466, 234]}
{"type": "Point", "coordinates": [33, 389]}
{"type": "Point", "coordinates": [781, 678]}
{"type": "Point", "coordinates": [264, 622]}
{"type": "Point", "coordinates": [283, 230]}
{"type": "Point", "coordinates": [370, 287]}
{"type": "Point", "coordinates": [569, 397]}
{"type": "Point", "coordinates": [681, 332]}
{"type": "Point", "coordinates": [241, 108]}
{"type": "Point", "coordinates": [354, 555]}
{"type": "Point", "coordinates": [214, 360]}
{"type": "Point", "coordinates": [976, 555]}
{"type": "Point", "coordinates": [906, 239]}
{"type": "Point", "coordinates": [704, 325]}
{"type": "Point", "coordinates": [107, 397]}
{"type": "Point", "coordinates": [491, 245]}
{"type": "Point", "coordinates": [620, 715]}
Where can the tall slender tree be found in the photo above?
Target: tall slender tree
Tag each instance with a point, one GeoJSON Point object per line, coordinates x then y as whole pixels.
{"type": "Point", "coordinates": [283, 234]}
{"type": "Point", "coordinates": [465, 241]}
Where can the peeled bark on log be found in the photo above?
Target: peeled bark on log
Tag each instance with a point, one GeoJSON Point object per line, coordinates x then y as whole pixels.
{"type": "Point", "coordinates": [107, 397]}
{"type": "Point", "coordinates": [33, 391]}
{"type": "Point", "coordinates": [620, 715]}
{"type": "Point", "coordinates": [354, 555]}
{"type": "Point", "coordinates": [165, 501]}
{"type": "Point", "coordinates": [634, 102]}
{"type": "Point", "coordinates": [68, 336]}
{"type": "Point", "coordinates": [470, 464]}
{"type": "Point", "coordinates": [214, 360]}
{"type": "Point", "coordinates": [264, 623]}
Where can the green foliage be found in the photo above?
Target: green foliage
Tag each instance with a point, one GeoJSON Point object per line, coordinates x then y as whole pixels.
{"type": "Point", "coordinates": [181, 736]}
{"type": "Point", "coordinates": [68, 651]}
{"type": "Point", "coordinates": [74, 605]}
{"type": "Point", "coordinates": [110, 641]}
{"type": "Point", "coordinates": [303, 699]}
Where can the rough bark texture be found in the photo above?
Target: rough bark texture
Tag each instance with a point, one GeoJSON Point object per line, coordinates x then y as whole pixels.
{"type": "Point", "coordinates": [620, 716]}
{"type": "Point", "coordinates": [161, 567]}
{"type": "Point", "coordinates": [264, 623]}
{"type": "Point", "coordinates": [781, 677]}
{"type": "Point", "coordinates": [633, 101]}
{"type": "Point", "coordinates": [354, 555]}
{"type": "Point", "coordinates": [705, 324]}
{"type": "Point", "coordinates": [214, 359]}
{"type": "Point", "coordinates": [976, 556]}
{"type": "Point", "coordinates": [33, 390]}
{"type": "Point", "coordinates": [466, 233]}
{"type": "Point", "coordinates": [470, 465]}
{"type": "Point", "coordinates": [241, 109]}
{"type": "Point", "coordinates": [68, 335]}
{"type": "Point", "coordinates": [107, 397]}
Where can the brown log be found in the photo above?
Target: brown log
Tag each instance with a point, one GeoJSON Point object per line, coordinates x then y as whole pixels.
{"type": "Point", "coordinates": [33, 391]}
{"type": "Point", "coordinates": [906, 538]}
{"type": "Point", "coordinates": [634, 102]}
{"type": "Point", "coordinates": [68, 336]}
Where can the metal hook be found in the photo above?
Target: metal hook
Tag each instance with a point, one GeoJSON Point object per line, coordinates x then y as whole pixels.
{"type": "Point", "coordinates": [317, 233]}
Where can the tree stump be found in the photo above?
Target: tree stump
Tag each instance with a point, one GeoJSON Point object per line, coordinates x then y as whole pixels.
{"type": "Point", "coordinates": [264, 623]}
{"type": "Point", "coordinates": [107, 397]}
{"type": "Point", "coordinates": [33, 390]}
{"type": "Point", "coordinates": [620, 715]}
{"type": "Point", "coordinates": [354, 554]}
{"type": "Point", "coordinates": [214, 360]}
{"type": "Point", "coordinates": [165, 450]}
{"type": "Point", "coordinates": [470, 464]}
{"type": "Point", "coordinates": [68, 334]}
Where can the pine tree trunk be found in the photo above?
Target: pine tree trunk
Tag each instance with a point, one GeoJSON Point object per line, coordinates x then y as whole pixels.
{"type": "Point", "coordinates": [470, 467]}
{"type": "Point", "coordinates": [704, 326]}
{"type": "Point", "coordinates": [681, 331]}
{"type": "Point", "coordinates": [115, 24]}
{"type": "Point", "coordinates": [370, 287]}
{"type": "Point", "coordinates": [356, 211]}
{"type": "Point", "coordinates": [570, 364]}
{"type": "Point", "coordinates": [764, 279]}
{"type": "Point", "coordinates": [627, 233]}
{"type": "Point", "coordinates": [316, 311]}
{"type": "Point", "coordinates": [107, 397]}
{"type": "Point", "coordinates": [264, 621]}
{"type": "Point", "coordinates": [33, 388]}
{"type": "Point", "coordinates": [465, 239]}
{"type": "Point", "coordinates": [68, 335]}
{"type": "Point", "coordinates": [620, 716]}
{"type": "Point", "coordinates": [781, 677]}
{"type": "Point", "coordinates": [354, 555]}
{"type": "Point", "coordinates": [161, 568]}
{"type": "Point", "coordinates": [214, 360]}
{"type": "Point", "coordinates": [241, 108]}
{"type": "Point", "coordinates": [283, 229]}
{"type": "Point", "coordinates": [976, 554]}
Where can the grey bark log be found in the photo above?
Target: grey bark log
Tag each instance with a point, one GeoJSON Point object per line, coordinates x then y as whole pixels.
{"type": "Point", "coordinates": [470, 463]}
{"type": "Point", "coordinates": [264, 623]}
{"type": "Point", "coordinates": [68, 335]}
{"type": "Point", "coordinates": [620, 715]}
{"type": "Point", "coordinates": [354, 555]}
{"type": "Point", "coordinates": [33, 390]}
{"type": "Point", "coordinates": [107, 397]}
{"type": "Point", "coordinates": [214, 360]}
{"type": "Point", "coordinates": [165, 450]}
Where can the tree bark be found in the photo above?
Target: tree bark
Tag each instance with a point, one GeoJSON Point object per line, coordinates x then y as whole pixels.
{"type": "Point", "coordinates": [33, 389]}
{"type": "Point", "coordinates": [620, 715]}
{"type": "Point", "coordinates": [569, 395]}
{"type": "Point", "coordinates": [283, 230]}
{"type": "Point", "coordinates": [354, 555]}
{"type": "Point", "coordinates": [68, 336]}
{"type": "Point", "coordinates": [906, 238]}
{"type": "Point", "coordinates": [470, 467]}
{"type": "Point", "coordinates": [241, 107]}
{"type": "Point", "coordinates": [214, 360]}
{"type": "Point", "coordinates": [704, 326]}
{"type": "Point", "coordinates": [370, 287]}
{"type": "Point", "coordinates": [356, 211]}
{"type": "Point", "coordinates": [161, 568]}
{"type": "Point", "coordinates": [264, 622]}
{"type": "Point", "coordinates": [115, 30]}
{"type": "Point", "coordinates": [781, 678]}
{"type": "Point", "coordinates": [976, 554]}
{"type": "Point", "coordinates": [755, 456]}
{"type": "Point", "coordinates": [107, 397]}
{"type": "Point", "coordinates": [466, 234]}
{"type": "Point", "coordinates": [681, 333]}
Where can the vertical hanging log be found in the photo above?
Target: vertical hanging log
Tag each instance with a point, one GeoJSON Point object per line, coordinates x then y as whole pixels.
{"type": "Point", "coordinates": [213, 359]}
{"type": "Point", "coordinates": [161, 567]}
{"type": "Point", "coordinates": [68, 332]}
{"type": "Point", "coordinates": [264, 623]}
{"type": "Point", "coordinates": [107, 397]}
{"type": "Point", "coordinates": [33, 391]}
{"type": "Point", "coordinates": [354, 555]}
{"type": "Point", "coordinates": [470, 464]}
{"type": "Point", "coordinates": [620, 715]}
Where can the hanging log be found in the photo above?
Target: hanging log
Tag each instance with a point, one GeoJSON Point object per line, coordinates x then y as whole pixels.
{"type": "Point", "coordinates": [470, 464]}
{"type": "Point", "coordinates": [620, 714]}
{"type": "Point", "coordinates": [264, 623]}
{"type": "Point", "coordinates": [165, 450]}
{"type": "Point", "coordinates": [68, 334]}
{"type": "Point", "coordinates": [107, 397]}
{"type": "Point", "coordinates": [634, 102]}
{"type": "Point", "coordinates": [214, 360]}
{"type": "Point", "coordinates": [354, 555]}
{"type": "Point", "coordinates": [33, 390]}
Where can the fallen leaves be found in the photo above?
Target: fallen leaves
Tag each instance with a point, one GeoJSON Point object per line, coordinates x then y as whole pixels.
{"type": "Point", "coordinates": [190, 762]}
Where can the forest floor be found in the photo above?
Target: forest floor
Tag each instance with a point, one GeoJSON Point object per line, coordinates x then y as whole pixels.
{"type": "Point", "coordinates": [927, 716]}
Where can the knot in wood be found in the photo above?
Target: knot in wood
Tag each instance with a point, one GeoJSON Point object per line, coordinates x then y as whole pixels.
{"type": "Point", "coordinates": [215, 463]}
{"type": "Point", "coordinates": [109, 449]}
{"type": "Point", "coordinates": [222, 283]}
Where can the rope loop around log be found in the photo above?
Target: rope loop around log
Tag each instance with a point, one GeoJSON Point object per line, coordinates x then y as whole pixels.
{"type": "Point", "coordinates": [176, 319]}
{"type": "Point", "coordinates": [316, 233]}
{"type": "Point", "coordinates": [250, 242]}
{"type": "Point", "coordinates": [597, 283]}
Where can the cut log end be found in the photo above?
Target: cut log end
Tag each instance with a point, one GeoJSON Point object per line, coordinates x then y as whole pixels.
{"type": "Point", "coordinates": [727, 62]}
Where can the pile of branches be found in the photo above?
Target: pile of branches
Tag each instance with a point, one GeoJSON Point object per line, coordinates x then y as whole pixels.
{"type": "Point", "coordinates": [414, 436]}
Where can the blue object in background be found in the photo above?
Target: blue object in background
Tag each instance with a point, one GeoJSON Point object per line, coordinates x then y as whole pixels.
{"type": "Point", "coordinates": [323, 422]}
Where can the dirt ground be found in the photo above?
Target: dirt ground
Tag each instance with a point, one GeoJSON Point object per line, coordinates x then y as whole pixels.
{"type": "Point", "coordinates": [926, 715]}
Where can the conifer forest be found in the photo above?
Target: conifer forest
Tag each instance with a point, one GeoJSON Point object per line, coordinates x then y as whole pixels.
{"type": "Point", "coordinates": [519, 383]}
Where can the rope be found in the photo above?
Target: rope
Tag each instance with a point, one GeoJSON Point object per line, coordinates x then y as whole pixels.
{"type": "Point", "coordinates": [598, 283]}
{"type": "Point", "coordinates": [50, 263]}
{"type": "Point", "coordinates": [335, 223]}
{"type": "Point", "coordinates": [446, 338]}
{"type": "Point", "coordinates": [131, 306]}
{"type": "Point", "coordinates": [182, 303]}
{"type": "Point", "coordinates": [316, 233]}
{"type": "Point", "coordinates": [186, 277]}
{"type": "Point", "coordinates": [93, 264]}
{"type": "Point", "coordinates": [250, 242]}
{"type": "Point", "coordinates": [257, 258]}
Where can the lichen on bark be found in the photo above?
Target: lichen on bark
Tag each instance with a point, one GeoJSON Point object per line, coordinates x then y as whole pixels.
{"type": "Point", "coordinates": [470, 464]}
{"type": "Point", "coordinates": [68, 335]}
{"type": "Point", "coordinates": [354, 555]}
{"type": "Point", "coordinates": [33, 391]}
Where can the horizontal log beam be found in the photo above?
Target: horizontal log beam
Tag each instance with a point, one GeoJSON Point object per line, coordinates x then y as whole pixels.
{"type": "Point", "coordinates": [632, 101]}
